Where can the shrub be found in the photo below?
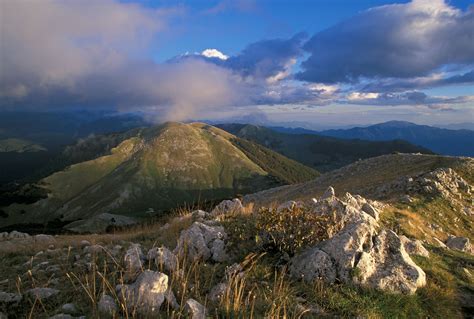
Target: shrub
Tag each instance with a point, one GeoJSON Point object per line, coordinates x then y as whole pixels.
{"type": "Point", "coordinates": [291, 229]}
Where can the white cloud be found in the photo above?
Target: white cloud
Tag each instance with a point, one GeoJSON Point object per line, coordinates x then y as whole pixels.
{"type": "Point", "coordinates": [214, 53]}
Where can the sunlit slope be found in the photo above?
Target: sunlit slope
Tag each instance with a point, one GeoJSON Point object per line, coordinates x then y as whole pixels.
{"type": "Point", "coordinates": [157, 169]}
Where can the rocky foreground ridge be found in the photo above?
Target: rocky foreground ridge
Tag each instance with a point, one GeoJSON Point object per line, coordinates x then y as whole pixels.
{"type": "Point", "coordinates": [358, 250]}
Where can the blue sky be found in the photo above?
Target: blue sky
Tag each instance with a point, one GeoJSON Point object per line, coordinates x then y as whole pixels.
{"type": "Point", "coordinates": [318, 62]}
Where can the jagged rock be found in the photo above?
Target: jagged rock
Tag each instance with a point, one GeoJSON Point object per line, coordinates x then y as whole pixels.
{"type": "Point", "coordinates": [42, 293]}
{"type": "Point", "coordinates": [228, 207]}
{"type": "Point", "coordinates": [414, 247]}
{"type": "Point", "coordinates": [134, 259]}
{"type": "Point", "coordinates": [217, 292]}
{"type": "Point", "coordinates": [147, 293]}
{"type": "Point", "coordinates": [371, 210]}
{"type": "Point", "coordinates": [10, 299]}
{"type": "Point", "coordinates": [195, 309]}
{"type": "Point", "coordinates": [200, 214]}
{"type": "Point", "coordinates": [313, 264]}
{"type": "Point", "coordinates": [163, 258]}
{"type": "Point", "coordinates": [330, 192]}
{"type": "Point", "coordinates": [459, 243]}
{"type": "Point", "coordinates": [201, 241]}
{"type": "Point", "coordinates": [387, 266]}
{"type": "Point", "coordinates": [354, 252]}
{"type": "Point", "coordinates": [107, 306]}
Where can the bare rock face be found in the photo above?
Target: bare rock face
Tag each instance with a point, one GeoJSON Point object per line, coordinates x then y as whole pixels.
{"type": "Point", "coordinates": [459, 243]}
{"type": "Point", "coordinates": [313, 264]}
{"type": "Point", "coordinates": [358, 251]}
{"type": "Point", "coordinates": [414, 247]}
{"type": "Point", "coordinates": [163, 258]}
{"type": "Point", "coordinates": [134, 259]}
{"type": "Point", "coordinates": [146, 294]}
{"type": "Point", "coordinates": [228, 207]}
{"type": "Point", "coordinates": [195, 309]}
{"type": "Point", "coordinates": [202, 241]}
{"type": "Point", "coordinates": [388, 267]}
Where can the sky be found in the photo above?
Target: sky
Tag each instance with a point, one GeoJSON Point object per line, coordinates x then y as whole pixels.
{"type": "Point", "coordinates": [303, 63]}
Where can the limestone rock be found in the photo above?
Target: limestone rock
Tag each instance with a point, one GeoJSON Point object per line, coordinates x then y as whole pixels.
{"type": "Point", "coordinates": [201, 241]}
{"type": "Point", "coordinates": [195, 309]}
{"type": "Point", "coordinates": [388, 267]}
{"type": "Point", "coordinates": [459, 243]}
{"type": "Point", "coordinates": [163, 258]}
{"type": "Point", "coordinates": [313, 264]}
{"type": "Point", "coordinates": [42, 293]}
{"type": "Point", "coordinates": [228, 207]}
{"type": "Point", "coordinates": [107, 306]}
{"type": "Point", "coordinates": [147, 293]}
{"type": "Point", "coordinates": [9, 299]}
{"type": "Point", "coordinates": [134, 259]}
{"type": "Point", "coordinates": [414, 247]}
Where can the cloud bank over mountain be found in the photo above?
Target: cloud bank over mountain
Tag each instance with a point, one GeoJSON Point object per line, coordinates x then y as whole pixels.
{"type": "Point", "coordinates": [54, 57]}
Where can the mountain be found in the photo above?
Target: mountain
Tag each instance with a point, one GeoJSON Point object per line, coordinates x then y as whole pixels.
{"type": "Point", "coordinates": [320, 152]}
{"type": "Point", "coordinates": [442, 141]}
{"type": "Point", "coordinates": [37, 137]}
{"type": "Point", "coordinates": [151, 170]}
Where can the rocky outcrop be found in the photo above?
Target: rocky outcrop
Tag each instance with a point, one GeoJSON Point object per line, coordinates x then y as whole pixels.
{"type": "Point", "coordinates": [358, 251]}
{"type": "Point", "coordinates": [459, 243]}
{"type": "Point", "coordinates": [202, 241]}
{"type": "Point", "coordinates": [388, 267]}
{"type": "Point", "coordinates": [146, 294]}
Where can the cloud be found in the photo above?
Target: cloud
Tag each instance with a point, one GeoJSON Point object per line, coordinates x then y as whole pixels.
{"type": "Point", "coordinates": [214, 53]}
{"type": "Point", "coordinates": [391, 41]}
{"type": "Point", "coordinates": [52, 57]}
{"type": "Point", "coordinates": [403, 98]}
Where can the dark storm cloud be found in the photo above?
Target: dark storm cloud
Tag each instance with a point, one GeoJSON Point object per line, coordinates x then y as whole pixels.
{"type": "Point", "coordinates": [396, 41]}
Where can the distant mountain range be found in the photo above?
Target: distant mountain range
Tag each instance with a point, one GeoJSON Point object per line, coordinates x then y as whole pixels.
{"type": "Point", "coordinates": [320, 152]}
{"type": "Point", "coordinates": [150, 170]}
{"type": "Point", "coordinates": [441, 141]}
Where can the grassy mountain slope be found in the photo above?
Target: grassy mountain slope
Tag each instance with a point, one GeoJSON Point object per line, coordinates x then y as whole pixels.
{"type": "Point", "coordinates": [156, 169]}
{"type": "Point", "coordinates": [442, 141]}
{"type": "Point", "coordinates": [320, 152]}
{"type": "Point", "coordinates": [18, 145]}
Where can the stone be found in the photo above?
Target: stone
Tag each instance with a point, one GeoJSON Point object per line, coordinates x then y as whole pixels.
{"type": "Point", "coordinates": [44, 239]}
{"type": "Point", "coordinates": [200, 214]}
{"type": "Point", "coordinates": [228, 207]}
{"type": "Point", "coordinates": [195, 309]}
{"type": "Point", "coordinates": [85, 243]}
{"type": "Point", "coordinates": [439, 243]}
{"type": "Point", "coordinates": [93, 249]}
{"type": "Point", "coordinates": [459, 243]}
{"type": "Point", "coordinates": [371, 210]}
{"type": "Point", "coordinates": [163, 258]}
{"type": "Point", "coordinates": [387, 266]}
{"type": "Point", "coordinates": [147, 293]}
{"type": "Point", "coordinates": [69, 308]}
{"type": "Point", "coordinates": [201, 241]}
{"type": "Point", "coordinates": [414, 247]}
{"type": "Point", "coordinates": [330, 192]}
{"type": "Point", "coordinates": [62, 316]}
{"type": "Point", "coordinates": [10, 299]}
{"type": "Point", "coordinates": [18, 235]}
{"type": "Point", "coordinates": [134, 259]}
{"type": "Point", "coordinates": [107, 306]}
{"type": "Point", "coordinates": [313, 264]}
{"type": "Point", "coordinates": [42, 293]}
{"type": "Point", "coordinates": [289, 205]}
